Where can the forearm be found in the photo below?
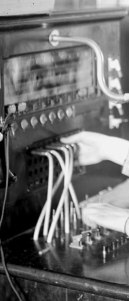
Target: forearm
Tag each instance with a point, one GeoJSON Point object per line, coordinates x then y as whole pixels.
{"type": "Point", "coordinates": [116, 150]}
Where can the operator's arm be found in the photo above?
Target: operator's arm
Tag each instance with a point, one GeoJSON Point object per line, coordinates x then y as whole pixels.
{"type": "Point", "coordinates": [107, 216]}
{"type": "Point", "coordinates": [95, 147]}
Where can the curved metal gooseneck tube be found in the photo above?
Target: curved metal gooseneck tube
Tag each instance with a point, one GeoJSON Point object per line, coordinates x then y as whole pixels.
{"type": "Point", "coordinates": [55, 38]}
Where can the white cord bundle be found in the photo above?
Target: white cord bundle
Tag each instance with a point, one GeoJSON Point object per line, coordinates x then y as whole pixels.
{"type": "Point", "coordinates": [47, 207]}
{"type": "Point", "coordinates": [66, 172]}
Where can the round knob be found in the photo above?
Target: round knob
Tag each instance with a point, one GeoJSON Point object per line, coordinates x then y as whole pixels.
{"type": "Point", "coordinates": [12, 109]}
{"type": "Point", "coordinates": [52, 116]}
{"type": "Point", "coordinates": [69, 112]}
{"type": "Point", "coordinates": [34, 121]}
{"type": "Point", "coordinates": [43, 119]}
{"type": "Point", "coordinates": [24, 124]}
{"type": "Point", "coordinates": [22, 107]}
{"type": "Point", "coordinates": [60, 114]}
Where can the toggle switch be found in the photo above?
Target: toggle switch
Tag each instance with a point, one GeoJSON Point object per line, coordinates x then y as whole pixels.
{"type": "Point", "coordinates": [97, 234]}
{"type": "Point", "coordinates": [87, 239]}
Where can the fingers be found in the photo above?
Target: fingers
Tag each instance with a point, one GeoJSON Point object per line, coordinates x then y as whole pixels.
{"type": "Point", "coordinates": [105, 209]}
{"type": "Point", "coordinates": [119, 195]}
{"type": "Point", "coordinates": [106, 215]}
{"type": "Point", "coordinates": [83, 137]}
{"type": "Point", "coordinates": [76, 138]}
{"type": "Point", "coordinates": [89, 222]}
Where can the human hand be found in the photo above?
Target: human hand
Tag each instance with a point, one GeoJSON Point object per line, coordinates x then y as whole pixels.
{"type": "Point", "coordinates": [106, 215]}
{"type": "Point", "coordinates": [117, 196]}
{"type": "Point", "coordinates": [90, 147]}
{"type": "Point", "coordinates": [94, 147]}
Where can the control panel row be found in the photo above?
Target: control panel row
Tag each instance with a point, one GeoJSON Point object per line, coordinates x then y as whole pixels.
{"type": "Point", "coordinates": [42, 103]}
{"type": "Point", "coordinates": [43, 118]}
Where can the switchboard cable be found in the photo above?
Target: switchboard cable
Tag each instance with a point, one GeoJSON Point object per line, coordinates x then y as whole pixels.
{"type": "Point", "coordinates": [7, 179]}
{"type": "Point", "coordinates": [8, 275]}
{"type": "Point", "coordinates": [39, 223]}
{"type": "Point", "coordinates": [6, 123]}
{"type": "Point", "coordinates": [61, 175]}
{"type": "Point", "coordinates": [71, 149]}
{"type": "Point", "coordinates": [59, 207]}
{"type": "Point", "coordinates": [66, 201]}
{"type": "Point", "coordinates": [50, 181]}
{"type": "Point", "coordinates": [71, 189]}
{"type": "Point", "coordinates": [43, 212]}
{"type": "Point", "coordinates": [49, 193]}
{"type": "Point", "coordinates": [63, 172]}
{"type": "Point", "coordinates": [55, 38]}
{"type": "Point", "coordinates": [58, 182]}
{"type": "Point", "coordinates": [71, 158]}
{"type": "Point", "coordinates": [47, 208]}
{"type": "Point", "coordinates": [2, 219]}
{"type": "Point", "coordinates": [65, 152]}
